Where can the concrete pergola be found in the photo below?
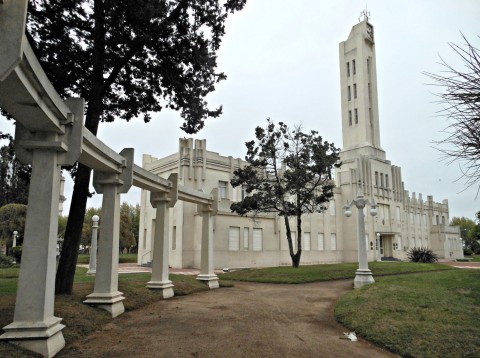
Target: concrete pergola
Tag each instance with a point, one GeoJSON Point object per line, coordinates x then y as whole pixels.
{"type": "Point", "coordinates": [50, 133]}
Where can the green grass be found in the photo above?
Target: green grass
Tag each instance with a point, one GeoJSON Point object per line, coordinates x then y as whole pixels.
{"type": "Point", "coordinates": [84, 259]}
{"type": "Point", "coordinates": [426, 315]}
{"type": "Point", "coordinates": [314, 273]}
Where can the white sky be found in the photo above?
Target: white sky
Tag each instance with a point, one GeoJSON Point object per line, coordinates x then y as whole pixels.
{"type": "Point", "coordinates": [281, 59]}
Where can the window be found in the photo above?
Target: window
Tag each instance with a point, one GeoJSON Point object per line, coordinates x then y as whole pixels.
{"type": "Point", "coordinates": [356, 116]}
{"type": "Point", "coordinates": [349, 93]}
{"type": "Point", "coordinates": [333, 242]}
{"type": "Point", "coordinates": [306, 241]}
{"type": "Point", "coordinates": [222, 189]}
{"type": "Point", "coordinates": [386, 181]}
{"type": "Point", "coordinates": [354, 90]}
{"type": "Point", "coordinates": [443, 220]}
{"type": "Point", "coordinates": [381, 180]}
{"type": "Point", "coordinates": [350, 118]}
{"type": "Point", "coordinates": [233, 238]}
{"type": "Point", "coordinates": [368, 65]}
{"type": "Point", "coordinates": [257, 239]}
{"type": "Point", "coordinates": [376, 178]}
{"type": "Point", "coordinates": [321, 243]}
{"type": "Point", "coordinates": [245, 238]}
{"type": "Point", "coordinates": [369, 92]}
{"type": "Point", "coordinates": [437, 219]}
{"type": "Point", "coordinates": [144, 238]}
{"type": "Point", "coordinates": [354, 67]}
{"type": "Point", "coordinates": [244, 192]}
{"type": "Point", "coordinates": [348, 69]}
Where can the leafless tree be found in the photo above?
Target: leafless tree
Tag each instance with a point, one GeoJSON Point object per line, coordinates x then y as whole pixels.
{"type": "Point", "coordinates": [459, 97]}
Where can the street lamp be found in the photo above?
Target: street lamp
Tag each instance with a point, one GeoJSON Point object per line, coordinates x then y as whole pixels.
{"type": "Point", "coordinates": [363, 276]}
{"type": "Point", "coordinates": [92, 267]}
{"type": "Point", "coordinates": [15, 233]}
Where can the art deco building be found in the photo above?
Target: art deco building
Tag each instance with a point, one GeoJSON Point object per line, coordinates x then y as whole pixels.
{"type": "Point", "coordinates": [404, 220]}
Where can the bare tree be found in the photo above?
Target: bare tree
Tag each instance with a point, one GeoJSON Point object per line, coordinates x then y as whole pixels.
{"type": "Point", "coordinates": [460, 101]}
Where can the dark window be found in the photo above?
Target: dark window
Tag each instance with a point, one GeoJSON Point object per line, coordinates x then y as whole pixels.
{"type": "Point", "coordinates": [350, 117]}
{"type": "Point", "coordinates": [348, 69]}
{"type": "Point", "coordinates": [356, 116]}
{"type": "Point", "coordinates": [349, 94]}
{"type": "Point", "coordinates": [354, 90]}
{"type": "Point", "coordinates": [376, 178]}
{"type": "Point", "coordinates": [369, 92]}
{"type": "Point", "coordinates": [354, 67]}
{"type": "Point", "coordinates": [368, 65]}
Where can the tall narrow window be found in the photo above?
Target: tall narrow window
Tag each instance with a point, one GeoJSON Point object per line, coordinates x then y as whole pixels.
{"type": "Point", "coordinates": [257, 239]}
{"type": "Point", "coordinates": [356, 116]}
{"type": "Point", "coordinates": [376, 178]}
{"type": "Point", "coordinates": [321, 243]}
{"type": "Point", "coordinates": [244, 192]}
{"type": "Point", "coordinates": [381, 180]}
{"type": "Point", "coordinates": [306, 241]}
{"type": "Point", "coordinates": [333, 242]}
{"type": "Point", "coordinates": [233, 238]}
{"type": "Point", "coordinates": [354, 90]}
{"type": "Point", "coordinates": [368, 65]}
{"type": "Point", "coordinates": [350, 117]}
{"type": "Point", "coordinates": [369, 91]}
{"type": "Point", "coordinates": [348, 69]}
{"type": "Point", "coordinates": [386, 181]}
{"type": "Point", "coordinates": [174, 238]}
{"type": "Point", "coordinates": [349, 93]}
{"type": "Point", "coordinates": [222, 189]}
{"type": "Point", "coordinates": [245, 238]}
{"type": "Point", "coordinates": [354, 67]}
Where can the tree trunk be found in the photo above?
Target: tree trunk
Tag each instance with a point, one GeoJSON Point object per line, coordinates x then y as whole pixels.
{"type": "Point", "coordinates": [73, 232]}
{"type": "Point", "coordinates": [296, 259]}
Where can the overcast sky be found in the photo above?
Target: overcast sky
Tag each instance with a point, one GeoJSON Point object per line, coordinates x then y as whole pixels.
{"type": "Point", "coordinates": [281, 59]}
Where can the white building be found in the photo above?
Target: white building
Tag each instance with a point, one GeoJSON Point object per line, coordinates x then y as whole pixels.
{"type": "Point", "coordinates": [403, 221]}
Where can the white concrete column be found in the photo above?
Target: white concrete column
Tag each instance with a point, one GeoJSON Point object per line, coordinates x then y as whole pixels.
{"type": "Point", "coordinates": [105, 294]}
{"type": "Point", "coordinates": [34, 325]}
{"type": "Point", "coordinates": [92, 267]}
{"type": "Point", "coordinates": [207, 274]}
{"type": "Point", "coordinates": [161, 249]}
{"type": "Point", "coordinates": [14, 244]}
{"type": "Point", "coordinates": [363, 275]}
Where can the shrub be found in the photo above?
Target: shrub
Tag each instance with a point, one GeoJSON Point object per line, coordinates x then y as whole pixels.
{"type": "Point", "coordinates": [421, 254]}
{"type": "Point", "coordinates": [467, 251]}
{"type": "Point", "coordinates": [5, 261]}
{"type": "Point", "coordinates": [17, 253]}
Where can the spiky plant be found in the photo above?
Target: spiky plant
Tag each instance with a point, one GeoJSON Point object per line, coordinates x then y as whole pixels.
{"type": "Point", "coordinates": [421, 254]}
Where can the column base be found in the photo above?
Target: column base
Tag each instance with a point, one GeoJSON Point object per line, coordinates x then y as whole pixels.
{"type": "Point", "coordinates": [363, 277]}
{"type": "Point", "coordinates": [91, 272]}
{"type": "Point", "coordinates": [110, 302]}
{"type": "Point", "coordinates": [210, 280]}
{"type": "Point", "coordinates": [44, 337]}
{"type": "Point", "coordinates": [165, 287]}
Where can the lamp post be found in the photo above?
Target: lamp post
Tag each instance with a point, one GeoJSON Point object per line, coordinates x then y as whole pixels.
{"type": "Point", "coordinates": [92, 267]}
{"type": "Point", "coordinates": [363, 276]}
{"type": "Point", "coordinates": [15, 233]}
{"type": "Point", "coordinates": [378, 253]}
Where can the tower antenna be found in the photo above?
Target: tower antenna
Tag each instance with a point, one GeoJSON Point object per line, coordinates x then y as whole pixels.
{"type": "Point", "coordinates": [365, 14]}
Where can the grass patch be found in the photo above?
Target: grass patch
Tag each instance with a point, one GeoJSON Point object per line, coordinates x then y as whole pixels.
{"type": "Point", "coordinates": [314, 273]}
{"type": "Point", "coordinates": [428, 315]}
{"type": "Point", "coordinates": [84, 259]}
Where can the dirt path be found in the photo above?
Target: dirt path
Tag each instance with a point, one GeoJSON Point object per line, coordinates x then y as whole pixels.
{"type": "Point", "coordinates": [248, 320]}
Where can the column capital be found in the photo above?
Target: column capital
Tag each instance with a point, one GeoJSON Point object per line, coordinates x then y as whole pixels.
{"type": "Point", "coordinates": [157, 197]}
{"type": "Point", "coordinates": [124, 179]}
{"type": "Point", "coordinates": [67, 143]}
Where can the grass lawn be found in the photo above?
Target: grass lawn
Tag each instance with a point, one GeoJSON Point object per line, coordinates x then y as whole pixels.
{"type": "Point", "coordinates": [428, 315]}
{"type": "Point", "coordinates": [84, 259]}
{"type": "Point", "coordinates": [313, 273]}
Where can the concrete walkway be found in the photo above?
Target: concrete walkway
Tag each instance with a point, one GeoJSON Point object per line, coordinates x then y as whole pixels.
{"type": "Point", "coordinates": [248, 320]}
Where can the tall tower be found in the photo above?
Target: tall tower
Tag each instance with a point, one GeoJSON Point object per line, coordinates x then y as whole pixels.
{"type": "Point", "coordinates": [358, 77]}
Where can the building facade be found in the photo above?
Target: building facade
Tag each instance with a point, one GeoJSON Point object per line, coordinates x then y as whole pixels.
{"type": "Point", "coordinates": [404, 220]}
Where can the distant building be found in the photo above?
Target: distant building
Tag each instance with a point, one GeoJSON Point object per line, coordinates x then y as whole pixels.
{"type": "Point", "coordinates": [403, 221]}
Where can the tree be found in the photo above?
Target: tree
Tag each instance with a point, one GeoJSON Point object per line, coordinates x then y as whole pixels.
{"type": "Point", "coordinates": [14, 176]}
{"type": "Point", "coordinates": [468, 229]}
{"type": "Point", "coordinates": [12, 218]}
{"type": "Point", "coordinates": [127, 234]}
{"type": "Point", "coordinates": [127, 58]}
{"type": "Point", "coordinates": [460, 100]}
{"type": "Point", "coordinates": [289, 173]}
